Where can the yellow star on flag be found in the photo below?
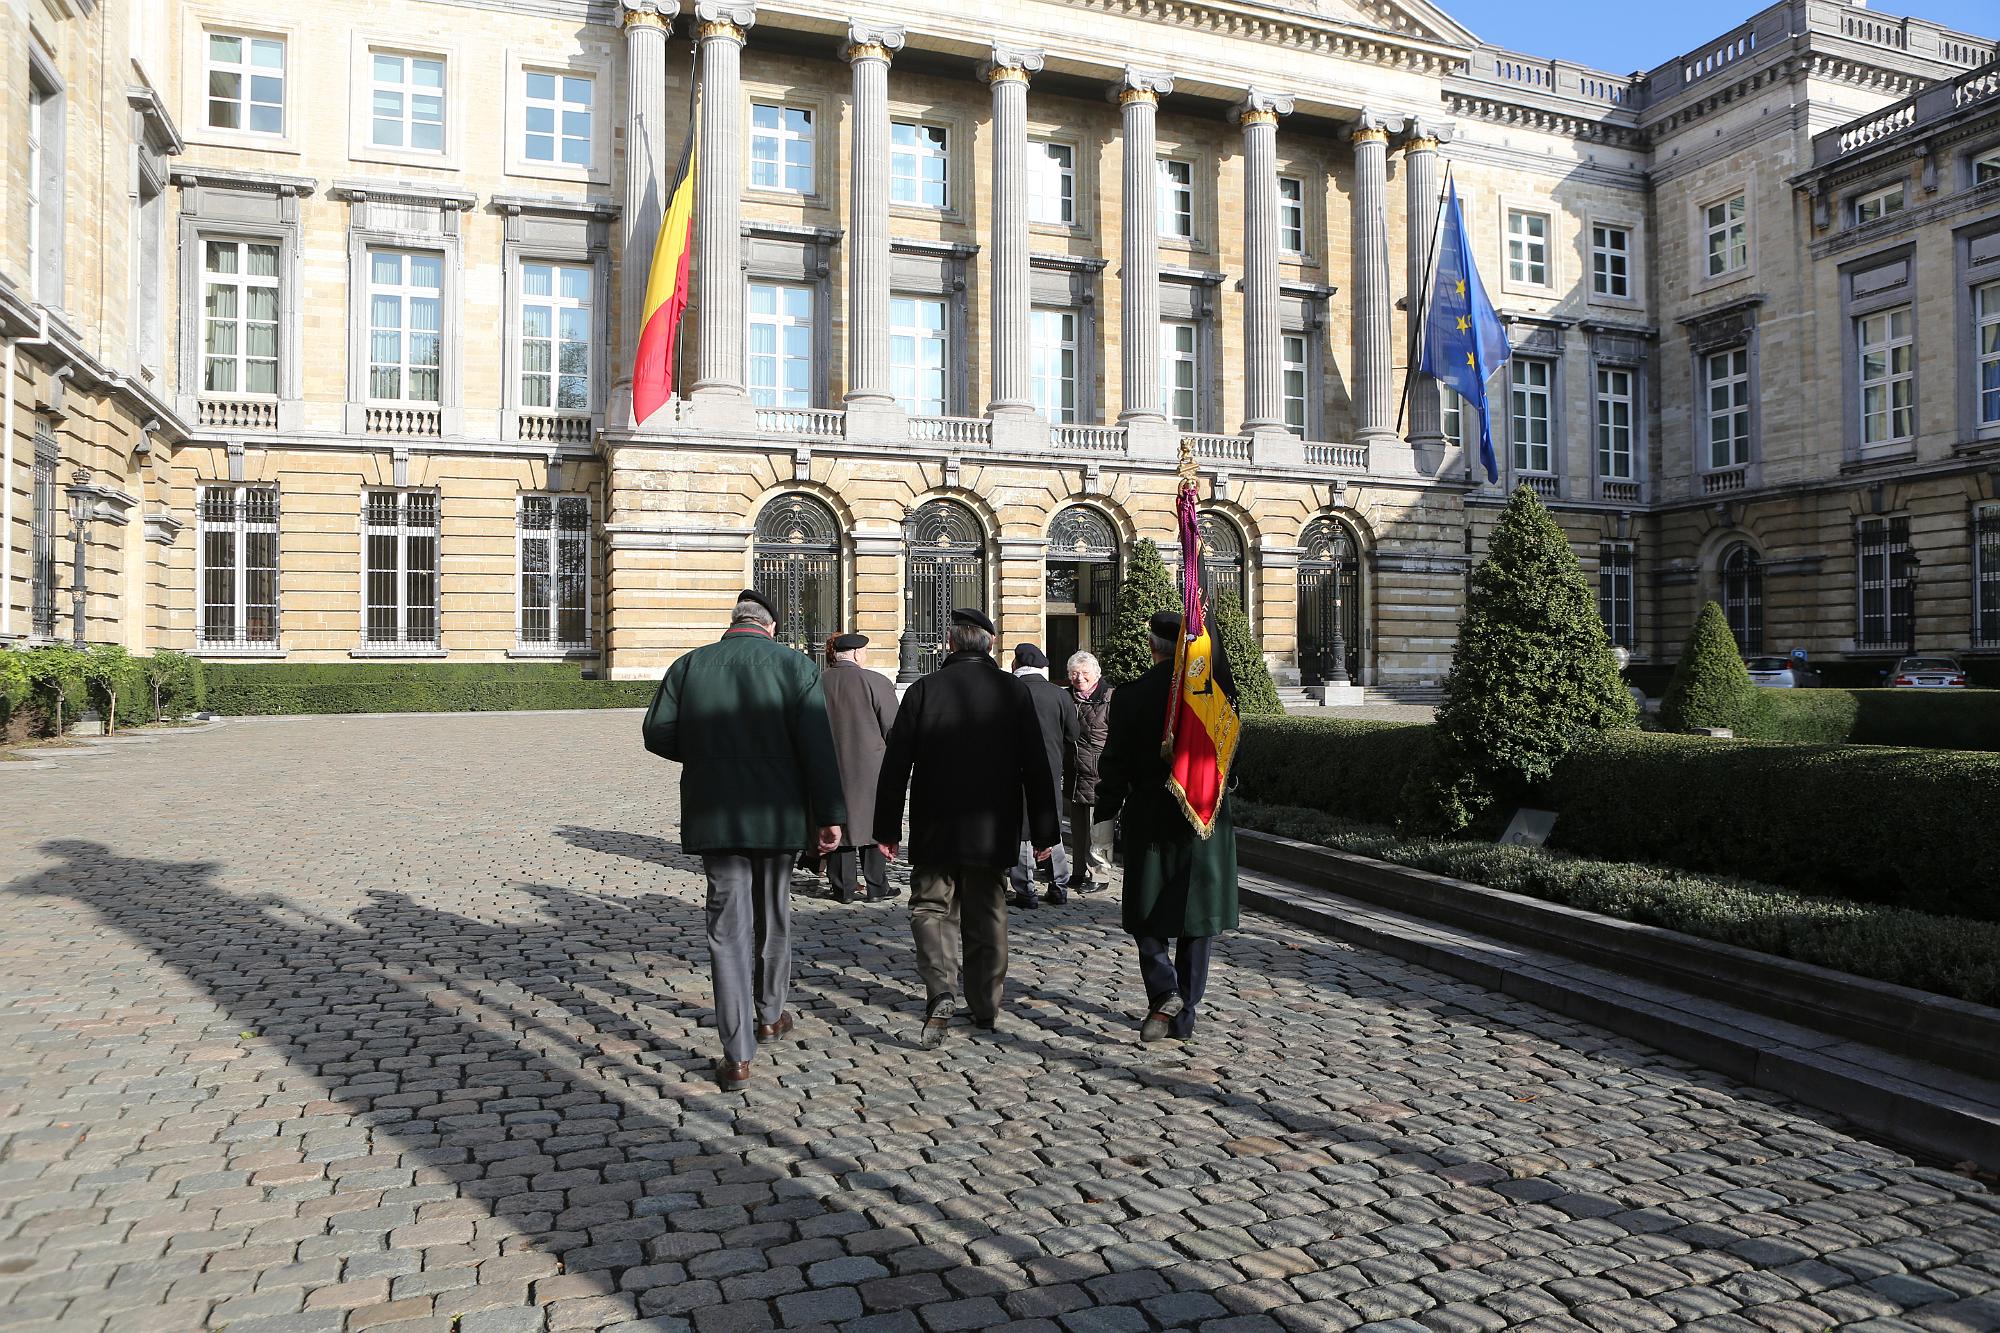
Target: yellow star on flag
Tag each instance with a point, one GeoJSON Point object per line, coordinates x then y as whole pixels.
{"type": "Point", "coordinates": [1463, 324]}
{"type": "Point", "coordinates": [1461, 286]}
{"type": "Point", "coordinates": [1469, 361]}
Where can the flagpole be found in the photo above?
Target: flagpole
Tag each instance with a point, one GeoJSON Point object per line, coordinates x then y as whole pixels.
{"type": "Point", "coordinates": [694, 90]}
{"type": "Point", "coordinates": [1417, 332]}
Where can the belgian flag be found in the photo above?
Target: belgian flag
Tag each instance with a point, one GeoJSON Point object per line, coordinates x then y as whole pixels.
{"type": "Point", "coordinates": [1202, 724]}
{"type": "Point", "coordinates": [667, 284]}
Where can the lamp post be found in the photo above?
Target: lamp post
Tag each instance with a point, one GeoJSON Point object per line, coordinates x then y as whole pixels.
{"type": "Point", "coordinates": [1910, 565]}
{"type": "Point", "coordinates": [1337, 641]}
{"type": "Point", "coordinates": [80, 505]}
{"type": "Point", "coordinates": [908, 650]}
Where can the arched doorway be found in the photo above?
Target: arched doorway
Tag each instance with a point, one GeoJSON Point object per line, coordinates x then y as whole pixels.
{"type": "Point", "coordinates": [1221, 560]}
{"type": "Point", "coordinates": [1743, 597]}
{"type": "Point", "coordinates": [796, 563]}
{"type": "Point", "coordinates": [946, 569]}
{"type": "Point", "coordinates": [1079, 584]}
{"type": "Point", "coordinates": [1329, 603]}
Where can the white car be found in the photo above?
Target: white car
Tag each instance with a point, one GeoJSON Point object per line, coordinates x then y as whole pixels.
{"type": "Point", "coordinates": [1928, 673]}
{"type": "Point", "coordinates": [1779, 674]}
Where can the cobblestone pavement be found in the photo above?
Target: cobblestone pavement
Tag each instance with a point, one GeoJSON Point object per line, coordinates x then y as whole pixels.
{"type": "Point", "coordinates": [350, 1024]}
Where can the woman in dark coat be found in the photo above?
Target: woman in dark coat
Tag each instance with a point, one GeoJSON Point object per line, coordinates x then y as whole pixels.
{"type": "Point", "coordinates": [861, 704]}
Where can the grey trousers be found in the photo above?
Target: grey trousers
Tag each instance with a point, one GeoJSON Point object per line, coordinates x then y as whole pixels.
{"type": "Point", "coordinates": [1022, 876]}
{"type": "Point", "coordinates": [959, 913]}
{"type": "Point", "coordinates": [1089, 845]}
{"type": "Point", "coordinates": [749, 942]}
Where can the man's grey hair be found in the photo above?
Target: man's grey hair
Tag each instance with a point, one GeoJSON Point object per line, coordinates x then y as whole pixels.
{"type": "Point", "coordinates": [1083, 659]}
{"type": "Point", "coordinates": [748, 612]}
{"type": "Point", "coordinates": [1164, 647]}
{"type": "Point", "coordinates": [966, 637]}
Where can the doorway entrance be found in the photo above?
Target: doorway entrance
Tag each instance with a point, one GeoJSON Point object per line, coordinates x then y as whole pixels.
{"type": "Point", "coordinates": [1080, 585]}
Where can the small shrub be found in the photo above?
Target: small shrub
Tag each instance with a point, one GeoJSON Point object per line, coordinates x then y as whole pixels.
{"type": "Point", "coordinates": [175, 682]}
{"type": "Point", "coordinates": [56, 678]}
{"type": "Point", "coordinates": [15, 688]}
{"type": "Point", "coordinates": [111, 675]}
{"type": "Point", "coordinates": [1147, 590]}
{"type": "Point", "coordinates": [1711, 686]}
{"type": "Point", "coordinates": [1256, 692]}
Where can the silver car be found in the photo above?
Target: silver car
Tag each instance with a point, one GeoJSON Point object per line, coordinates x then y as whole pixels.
{"type": "Point", "coordinates": [1779, 674]}
{"type": "Point", "coordinates": [1928, 673]}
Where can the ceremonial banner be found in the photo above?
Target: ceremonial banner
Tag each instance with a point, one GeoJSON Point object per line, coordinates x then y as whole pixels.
{"type": "Point", "coordinates": [1202, 725]}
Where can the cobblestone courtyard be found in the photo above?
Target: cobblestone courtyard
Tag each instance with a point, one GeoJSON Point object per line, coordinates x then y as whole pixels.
{"type": "Point", "coordinates": [349, 1024]}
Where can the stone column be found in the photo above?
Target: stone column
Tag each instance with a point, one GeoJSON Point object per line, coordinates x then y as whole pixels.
{"type": "Point", "coordinates": [1374, 405]}
{"type": "Point", "coordinates": [718, 220]}
{"type": "Point", "coordinates": [869, 49]}
{"type": "Point", "coordinates": [1420, 169]}
{"type": "Point", "coordinates": [1008, 74]}
{"type": "Point", "coordinates": [1263, 360]}
{"type": "Point", "coordinates": [646, 135]}
{"type": "Point", "coordinates": [1139, 274]}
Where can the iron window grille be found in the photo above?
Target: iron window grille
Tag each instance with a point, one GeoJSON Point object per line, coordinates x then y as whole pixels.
{"type": "Point", "coordinates": [42, 535]}
{"type": "Point", "coordinates": [1617, 600]}
{"type": "Point", "coordinates": [554, 573]}
{"type": "Point", "coordinates": [1082, 567]}
{"type": "Point", "coordinates": [400, 575]}
{"type": "Point", "coordinates": [237, 541]}
{"type": "Point", "coordinates": [1329, 586]}
{"type": "Point", "coordinates": [1986, 576]}
{"type": "Point", "coordinates": [1743, 598]}
{"type": "Point", "coordinates": [1221, 560]}
{"type": "Point", "coordinates": [796, 564]}
{"type": "Point", "coordinates": [1885, 590]}
{"type": "Point", "coordinates": [947, 569]}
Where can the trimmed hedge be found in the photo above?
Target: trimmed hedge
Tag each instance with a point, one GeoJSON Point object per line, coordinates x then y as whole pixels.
{"type": "Point", "coordinates": [1711, 687]}
{"type": "Point", "coordinates": [1910, 827]}
{"type": "Point", "coordinates": [250, 689]}
{"type": "Point", "coordinates": [1927, 719]}
{"type": "Point", "coordinates": [1943, 954]}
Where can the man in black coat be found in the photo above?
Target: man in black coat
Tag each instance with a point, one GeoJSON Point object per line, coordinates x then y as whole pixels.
{"type": "Point", "coordinates": [969, 735]}
{"type": "Point", "coordinates": [861, 705]}
{"type": "Point", "coordinates": [1056, 712]}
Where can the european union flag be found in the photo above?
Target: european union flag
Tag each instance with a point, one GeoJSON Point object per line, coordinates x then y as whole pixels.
{"type": "Point", "coordinates": [1464, 342]}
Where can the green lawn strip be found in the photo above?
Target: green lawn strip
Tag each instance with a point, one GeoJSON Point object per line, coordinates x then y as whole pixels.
{"type": "Point", "coordinates": [1946, 955]}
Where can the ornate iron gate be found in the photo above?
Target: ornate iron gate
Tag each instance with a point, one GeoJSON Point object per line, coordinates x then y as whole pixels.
{"type": "Point", "coordinates": [1329, 602]}
{"type": "Point", "coordinates": [797, 565]}
{"type": "Point", "coordinates": [1743, 597]}
{"type": "Point", "coordinates": [1221, 561]}
{"type": "Point", "coordinates": [1082, 570]}
{"type": "Point", "coordinates": [947, 569]}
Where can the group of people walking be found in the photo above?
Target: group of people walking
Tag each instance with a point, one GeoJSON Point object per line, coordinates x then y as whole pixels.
{"type": "Point", "coordinates": [777, 756]}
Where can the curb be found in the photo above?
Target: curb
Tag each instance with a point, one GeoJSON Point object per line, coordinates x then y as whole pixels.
{"type": "Point", "coordinates": [1928, 1108]}
{"type": "Point", "coordinates": [88, 746]}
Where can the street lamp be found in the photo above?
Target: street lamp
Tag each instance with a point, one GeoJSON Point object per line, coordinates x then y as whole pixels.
{"type": "Point", "coordinates": [1908, 566]}
{"type": "Point", "coordinates": [909, 651]}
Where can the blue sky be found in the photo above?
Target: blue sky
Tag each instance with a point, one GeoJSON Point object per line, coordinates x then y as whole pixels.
{"type": "Point", "coordinates": [1621, 38]}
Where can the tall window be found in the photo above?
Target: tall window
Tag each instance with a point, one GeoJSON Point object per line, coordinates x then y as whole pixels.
{"type": "Point", "coordinates": [557, 117]}
{"type": "Point", "coordinates": [1051, 183]}
{"type": "Point", "coordinates": [1291, 215]}
{"type": "Point", "coordinates": [1179, 366]}
{"type": "Point", "coordinates": [1728, 374]}
{"type": "Point", "coordinates": [46, 185]}
{"type": "Point", "coordinates": [42, 534]}
{"type": "Point", "coordinates": [1611, 261]}
{"type": "Point", "coordinates": [1986, 348]}
{"type": "Point", "coordinates": [1887, 345]}
{"type": "Point", "coordinates": [555, 336]}
{"type": "Point", "coordinates": [1221, 558]}
{"type": "Point", "coordinates": [1528, 247]}
{"type": "Point", "coordinates": [1052, 363]}
{"type": "Point", "coordinates": [239, 317]}
{"type": "Point", "coordinates": [1877, 204]}
{"type": "Point", "coordinates": [780, 360]}
{"type": "Point", "coordinates": [246, 83]}
{"type": "Point", "coordinates": [781, 148]}
{"type": "Point", "coordinates": [1294, 350]}
{"type": "Point", "coordinates": [400, 568]}
{"type": "Point", "coordinates": [1986, 168]}
{"type": "Point", "coordinates": [1531, 414]}
{"type": "Point", "coordinates": [1986, 576]}
{"type": "Point", "coordinates": [1451, 415]}
{"type": "Point", "coordinates": [1614, 423]}
{"type": "Point", "coordinates": [797, 566]}
{"type": "Point", "coordinates": [238, 546]}
{"type": "Point", "coordinates": [1884, 582]}
{"type": "Point", "coordinates": [919, 165]}
{"type": "Point", "coordinates": [1726, 235]}
{"type": "Point", "coordinates": [553, 597]}
{"type": "Point", "coordinates": [1176, 197]}
{"type": "Point", "coordinates": [918, 346]}
{"type": "Point", "coordinates": [405, 312]}
{"type": "Point", "coordinates": [406, 102]}
{"type": "Point", "coordinates": [1617, 602]}
{"type": "Point", "coordinates": [1743, 597]}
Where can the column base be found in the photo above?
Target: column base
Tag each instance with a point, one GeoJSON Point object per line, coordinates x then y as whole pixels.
{"type": "Point", "coordinates": [1389, 456]}
{"type": "Point", "coordinates": [1346, 695]}
{"type": "Point", "coordinates": [878, 419]}
{"type": "Point", "coordinates": [1431, 453]}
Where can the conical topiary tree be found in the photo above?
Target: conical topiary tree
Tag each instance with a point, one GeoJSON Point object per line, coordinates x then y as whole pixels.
{"type": "Point", "coordinates": [1533, 673]}
{"type": "Point", "coordinates": [1256, 692]}
{"type": "Point", "coordinates": [1147, 589]}
{"type": "Point", "coordinates": [1711, 686]}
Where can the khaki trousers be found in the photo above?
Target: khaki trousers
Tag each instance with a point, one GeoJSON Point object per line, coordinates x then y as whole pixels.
{"type": "Point", "coordinates": [959, 913]}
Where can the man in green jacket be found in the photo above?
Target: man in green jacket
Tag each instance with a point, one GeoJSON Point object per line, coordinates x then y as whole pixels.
{"type": "Point", "coordinates": [1179, 889]}
{"type": "Point", "coordinates": [745, 718]}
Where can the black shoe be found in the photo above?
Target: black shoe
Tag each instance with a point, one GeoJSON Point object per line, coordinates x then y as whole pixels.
{"type": "Point", "coordinates": [1090, 886]}
{"type": "Point", "coordinates": [986, 1024]}
{"type": "Point", "coordinates": [1025, 899]}
{"type": "Point", "coordinates": [888, 897]}
{"type": "Point", "coordinates": [937, 1020]}
{"type": "Point", "coordinates": [1056, 896]}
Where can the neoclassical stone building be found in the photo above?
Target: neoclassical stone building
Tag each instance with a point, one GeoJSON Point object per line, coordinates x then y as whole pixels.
{"type": "Point", "coordinates": [317, 319]}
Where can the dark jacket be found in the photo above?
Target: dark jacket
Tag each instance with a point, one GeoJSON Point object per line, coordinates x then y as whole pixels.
{"type": "Point", "coordinates": [1175, 883]}
{"type": "Point", "coordinates": [1093, 716]}
{"type": "Point", "coordinates": [968, 734]}
{"type": "Point", "coordinates": [1055, 712]}
{"type": "Point", "coordinates": [746, 720]}
{"type": "Point", "coordinates": [861, 704]}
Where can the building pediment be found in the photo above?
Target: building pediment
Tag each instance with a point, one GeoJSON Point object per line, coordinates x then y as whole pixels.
{"type": "Point", "coordinates": [1414, 18]}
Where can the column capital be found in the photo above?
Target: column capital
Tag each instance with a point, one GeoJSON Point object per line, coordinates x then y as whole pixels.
{"type": "Point", "coordinates": [872, 41]}
{"type": "Point", "coordinates": [1139, 85]}
{"type": "Point", "coordinates": [649, 13]}
{"type": "Point", "coordinates": [1260, 107]}
{"type": "Point", "coordinates": [728, 19]}
{"type": "Point", "coordinates": [1425, 135]}
{"type": "Point", "coordinates": [1012, 62]}
{"type": "Point", "coordinates": [1373, 126]}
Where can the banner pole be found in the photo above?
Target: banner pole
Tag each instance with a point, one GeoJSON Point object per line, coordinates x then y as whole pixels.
{"type": "Point", "coordinates": [1410, 367]}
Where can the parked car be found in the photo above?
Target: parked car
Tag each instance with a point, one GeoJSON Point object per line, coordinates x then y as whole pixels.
{"type": "Point", "coordinates": [1780, 674]}
{"type": "Point", "coordinates": [1928, 673]}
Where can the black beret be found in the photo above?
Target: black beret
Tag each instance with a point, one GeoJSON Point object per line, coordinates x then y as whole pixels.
{"type": "Point", "coordinates": [974, 616]}
{"type": "Point", "coordinates": [1165, 624]}
{"type": "Point", "coordinates": [752, 595]}
{"type": "Point", "coordinates": [846, 643]}
{"type": "Point", "coordinates": [1027, 655]}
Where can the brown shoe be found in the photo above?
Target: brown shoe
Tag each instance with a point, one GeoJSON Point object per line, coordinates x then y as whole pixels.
{"type": "Point", "coordinates": [732, 1074]}
{"type": "Point", "coordinates": [773, 1031]}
